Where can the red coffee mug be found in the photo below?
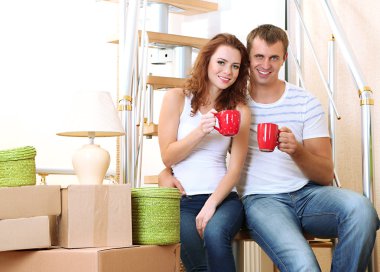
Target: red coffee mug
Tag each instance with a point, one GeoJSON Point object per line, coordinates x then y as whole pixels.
{"type": "Point", "coordinates": [229, 122]}
{"type": "Point", "coordinates": [267, 136]}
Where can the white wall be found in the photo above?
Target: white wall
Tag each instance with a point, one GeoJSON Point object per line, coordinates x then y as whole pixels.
{"type": "Point", "coordinates": [52, 48]}
{"type": "Point", "coordinates": [49, 49]}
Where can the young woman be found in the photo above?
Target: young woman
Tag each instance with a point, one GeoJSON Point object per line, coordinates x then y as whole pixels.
{"type": "Point", "coordinates": [211, 211]}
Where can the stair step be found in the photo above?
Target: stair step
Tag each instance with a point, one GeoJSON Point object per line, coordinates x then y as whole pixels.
{"type": "Point", "coordinates": [160, 82]}
{"type": "Point", "coordinates": [157, 39]}
{"type": "Point", "coordinates": [186, 7]}
{"type": "Point", "coordinates": [151, 180]}
{"type": "Point", "coordinates": [150, 129]}
{"type": "Point", "coordinates": [190, 7]}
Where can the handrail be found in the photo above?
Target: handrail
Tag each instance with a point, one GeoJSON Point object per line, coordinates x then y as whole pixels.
{"type": "Point", "coordinates": [327, 87]}
{"type": "Point", "coordinates": [343, 43]}
{"type": "Point", "coordinates": [331, 119]}
{"type": "Point", "coordinates": [298, 66]}
{"type": "Point", "coordinates": [366, 101]}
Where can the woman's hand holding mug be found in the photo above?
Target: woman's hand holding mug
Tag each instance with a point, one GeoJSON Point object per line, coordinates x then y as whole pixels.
{"type": "Point", "coordinates": [207, 122]}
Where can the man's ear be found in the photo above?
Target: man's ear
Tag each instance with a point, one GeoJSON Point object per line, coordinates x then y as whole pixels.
{"type": "Point", "coordinates": [285, 56]}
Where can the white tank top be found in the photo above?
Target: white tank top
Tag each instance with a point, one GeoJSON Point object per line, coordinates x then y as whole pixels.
{"type": "Point", "coordinates": [203, 169]}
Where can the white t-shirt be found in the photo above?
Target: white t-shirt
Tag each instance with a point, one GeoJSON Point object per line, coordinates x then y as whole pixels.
{"type": "Point", "coordinates": [275, 172]}
{"type": "Point", "coordinates": [204, 168]}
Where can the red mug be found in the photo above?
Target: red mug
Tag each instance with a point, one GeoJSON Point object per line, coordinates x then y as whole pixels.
{"type": "Point", "coordinates": [229, 122]}
{"type": "Point", "coordinates": [267, 136]}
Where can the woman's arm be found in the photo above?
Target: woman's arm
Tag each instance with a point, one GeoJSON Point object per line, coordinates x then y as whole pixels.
{"type": "Point", "coordinates": [237, 158]}
{"type": "Point", "coordinates": [172, 150]}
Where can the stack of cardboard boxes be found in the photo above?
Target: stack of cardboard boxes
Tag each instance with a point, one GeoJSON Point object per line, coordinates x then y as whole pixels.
{"type": "Point", "coordinates": [81, 228]}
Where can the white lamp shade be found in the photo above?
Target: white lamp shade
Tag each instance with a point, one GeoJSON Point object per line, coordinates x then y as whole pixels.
{"type": "Point", "coordinates": [92, 114]}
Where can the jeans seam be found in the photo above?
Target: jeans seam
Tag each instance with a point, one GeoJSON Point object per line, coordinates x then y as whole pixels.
{"type": "Point", "coordinates": [267, 245]}
{"type": "Point", "coordinates": [187, 257]}
{"type": "Point", "coordinates": [236, 218]}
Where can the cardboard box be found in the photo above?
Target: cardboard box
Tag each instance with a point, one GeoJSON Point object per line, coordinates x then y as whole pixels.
{"type": "Point", "coordinates": [95, 216]}
{"type": "Point", "coordinates": [29, 201]}
{"type": "Point", "coordinates": [26, 233]}
{"type": "Point", "coordinates": [133, 259]}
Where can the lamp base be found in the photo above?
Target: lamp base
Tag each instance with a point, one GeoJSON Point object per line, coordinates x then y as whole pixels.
{"type": "Point", "coordinates": [91, 163]}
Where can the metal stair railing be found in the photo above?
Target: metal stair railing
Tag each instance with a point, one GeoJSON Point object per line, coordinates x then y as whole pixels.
{"type": "Point", "coordinates": [127, 78]}
{"type": "Point", "coordinates": [365, 95]}
{"type": "Point", "coordinates": [330, 89]}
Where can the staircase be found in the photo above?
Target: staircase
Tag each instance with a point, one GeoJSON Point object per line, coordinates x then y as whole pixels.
{"type": "Point", "coordinates": [149, 42]}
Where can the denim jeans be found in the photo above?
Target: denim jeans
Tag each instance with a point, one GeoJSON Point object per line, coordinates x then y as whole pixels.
{"type": "Point", "coordinates": [214, 252]}
{"type": "Point", "coordinates": [276, 222]}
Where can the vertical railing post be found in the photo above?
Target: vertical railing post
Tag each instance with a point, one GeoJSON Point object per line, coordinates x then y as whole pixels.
{"type": "Point", "coordinates": [331, 82]}
{"type": "Point", "coordinates": [127, 60]}
{"type": "Point", "coordinates": [141, 95]}
{"type": "Point", "coordinates": [299, 46]}
{"type": "Point", "coordinates": [366, 103]}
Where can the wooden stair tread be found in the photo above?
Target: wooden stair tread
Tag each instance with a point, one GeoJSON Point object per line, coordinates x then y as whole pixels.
{"type": "Point", "coordinates": [187, 7]}
{"type": "Point", "coordinates": [150, 179]}
{"type": "Point", "coordinates": [190, 7]}
{"type": "Point", "coordinates": [165, 39]}
{"type": "Point", "coordinates": [150, 129]}
{"type": "Point", "coordinates": [243, 235]}
{"type": "Point", "coordinates": [160, 82]}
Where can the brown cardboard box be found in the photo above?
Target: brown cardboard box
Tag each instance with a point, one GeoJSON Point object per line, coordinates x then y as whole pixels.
{"type": "Point", "coordinates": [95, 216]}
{"type": "Point", "coordinates": [29, 201]}
{"type": "Point", "coordinates": [26, 233]}
{"type": "Point", "coordinates": [133, 259]}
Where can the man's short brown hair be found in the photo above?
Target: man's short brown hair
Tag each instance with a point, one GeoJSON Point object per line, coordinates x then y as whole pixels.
{"type": "Point", "coordinates": [270, 34]}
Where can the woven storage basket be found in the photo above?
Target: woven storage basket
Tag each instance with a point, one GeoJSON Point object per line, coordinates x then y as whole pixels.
{"type": "Point", "coordinates": [18, 166]}
{"type": "Point", "coordinates": [155, 216]}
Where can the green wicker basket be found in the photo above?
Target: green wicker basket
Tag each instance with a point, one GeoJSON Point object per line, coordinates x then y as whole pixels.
{"type": "Point", "coordinates": [18, 166]}
{"type": "Point", "coordinates": [155, 216]}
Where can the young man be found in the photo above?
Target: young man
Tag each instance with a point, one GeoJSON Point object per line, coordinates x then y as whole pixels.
{"type": "Point", "coordinates": [285, 192]}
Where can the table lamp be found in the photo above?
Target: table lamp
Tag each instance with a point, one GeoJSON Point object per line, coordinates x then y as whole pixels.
{"type": "Point", "coordinates": [91, 114]}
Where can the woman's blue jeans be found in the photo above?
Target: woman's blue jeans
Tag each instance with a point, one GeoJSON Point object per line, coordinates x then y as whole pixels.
{"type": "Point", "coordinates": [276, 222]}
{"type": "Point", "coordinates": [214, 252]}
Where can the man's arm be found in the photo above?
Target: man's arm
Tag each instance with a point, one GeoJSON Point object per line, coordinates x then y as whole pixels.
{"type": "Point", "coordinates": [313, 156]}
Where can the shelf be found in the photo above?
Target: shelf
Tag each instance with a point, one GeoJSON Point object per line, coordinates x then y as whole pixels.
{"type": "Point", "coordinates": [186, 7]}
{"type": "Point", "coordinates": [158, 82]}
{"type": "Point", "coordinates": [157, 38]}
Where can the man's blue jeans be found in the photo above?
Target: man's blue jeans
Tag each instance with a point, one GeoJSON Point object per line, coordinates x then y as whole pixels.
{"type": "Point", "coordinates": [214, 252]}
{"type": "Point", "coordinates": [276, 222]}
